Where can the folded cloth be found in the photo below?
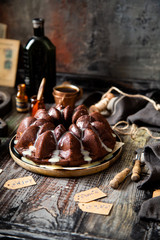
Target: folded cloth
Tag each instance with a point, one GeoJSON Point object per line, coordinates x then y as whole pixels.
{"type": "Point", "coordinates": [136, 110]}
{"type": "Point", "coordinates": [148, 117]}
{"type": "Point", "coordinates": [123, 107]}
{"type": "Point", "coordinates": [150, 209]}
{"type": "Point", "coordinates": [132, 109]}
{"type": "Point", "coordinates": [152, 160]}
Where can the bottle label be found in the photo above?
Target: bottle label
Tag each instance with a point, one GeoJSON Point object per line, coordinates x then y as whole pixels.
{"type": "Point", "coordinates": [21, 105]}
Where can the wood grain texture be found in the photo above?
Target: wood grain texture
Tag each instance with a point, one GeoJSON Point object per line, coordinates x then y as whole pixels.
{"type": "Point", "coordinates": [47, 210]}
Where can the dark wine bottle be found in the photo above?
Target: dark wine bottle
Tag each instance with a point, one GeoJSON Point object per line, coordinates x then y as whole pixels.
{"type": "Point", "coordinates": [40, 62]}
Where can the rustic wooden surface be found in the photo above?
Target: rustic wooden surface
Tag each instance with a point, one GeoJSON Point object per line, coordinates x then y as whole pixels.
{"type": "Point", "coordinates": [47, 210]}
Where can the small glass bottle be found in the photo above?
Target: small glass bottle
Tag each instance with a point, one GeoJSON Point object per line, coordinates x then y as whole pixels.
{"type": "Point", "coordinates": [21, 99]}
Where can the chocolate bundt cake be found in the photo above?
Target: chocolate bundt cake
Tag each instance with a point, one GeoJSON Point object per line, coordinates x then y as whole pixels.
{"type": "Point", "coordinates": [64, 136]}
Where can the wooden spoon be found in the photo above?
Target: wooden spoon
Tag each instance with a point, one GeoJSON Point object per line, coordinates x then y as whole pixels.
{"type": "Point", "coordinates": [39, 97]}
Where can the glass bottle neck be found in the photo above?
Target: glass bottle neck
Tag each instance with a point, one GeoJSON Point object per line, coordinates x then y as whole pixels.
{"type": "Point", "coordinates": [21, 89]}
{"type": "Point", "coordinates": [38, 32]}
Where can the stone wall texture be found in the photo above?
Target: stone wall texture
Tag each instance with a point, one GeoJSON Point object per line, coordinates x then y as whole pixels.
{"type": "Point", "coordinates": [117, 39]}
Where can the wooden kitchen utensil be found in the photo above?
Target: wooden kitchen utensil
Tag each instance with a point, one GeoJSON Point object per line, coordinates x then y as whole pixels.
{"type": "Point", "coordinates": [114, 183]}
{"type": "Point", "coordinates": [39, 103]}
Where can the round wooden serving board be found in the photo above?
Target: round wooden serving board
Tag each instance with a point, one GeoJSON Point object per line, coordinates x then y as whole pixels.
{"type": "Point", "coordinates": [58, 171]}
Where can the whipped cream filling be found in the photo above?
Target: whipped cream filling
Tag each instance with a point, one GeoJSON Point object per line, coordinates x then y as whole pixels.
{"type": "Point", "coordinates": [86, 156]}
{"type": "Point", "coordinates": [29, 151]}
{"type": "Point", "coordinates": [55, 157]}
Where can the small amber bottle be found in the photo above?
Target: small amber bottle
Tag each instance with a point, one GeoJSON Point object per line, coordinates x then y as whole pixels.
{"type": "Point", "coordinates": [21, 99]}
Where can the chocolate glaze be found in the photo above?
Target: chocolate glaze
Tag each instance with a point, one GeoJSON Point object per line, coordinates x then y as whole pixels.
{"type": "Point", "coordinates": [65, 137]}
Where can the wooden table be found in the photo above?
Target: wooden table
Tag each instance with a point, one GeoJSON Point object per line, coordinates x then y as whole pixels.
{"type": "Point", "coordinates": [47, 210]}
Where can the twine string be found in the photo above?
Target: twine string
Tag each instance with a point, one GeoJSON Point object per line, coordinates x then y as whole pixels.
{"type": "Point", "coordinates": [156, 106]}
{"type": "Point", "coordinates": [126, 129]}
{"type": "Point", "coordinates": [102, 104]}
{"type": "Point", "coordinates": [131, 130]}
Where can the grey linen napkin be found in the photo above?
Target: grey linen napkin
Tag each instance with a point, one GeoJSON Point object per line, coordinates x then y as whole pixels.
{"type": "Point", "coordinates": [123, 107]}
{"type": "Point", "coordinates": [148, 117]}
{"type": "Point", "coordinates": [150, 209]}
{"type": "Point", "coordinates": [137, 111]}
{"type": "Point", "coordinates": [133, 110]}
{"type": "Point", "coordinates": [152, 160]}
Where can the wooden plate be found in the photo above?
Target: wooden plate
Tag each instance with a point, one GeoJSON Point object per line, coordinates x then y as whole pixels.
{"type": "Point", "coordinates": [58, 171]}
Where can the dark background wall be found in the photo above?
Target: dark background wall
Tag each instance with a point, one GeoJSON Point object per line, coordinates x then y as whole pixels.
{"type": "Point", "coordinates": [118, 40]}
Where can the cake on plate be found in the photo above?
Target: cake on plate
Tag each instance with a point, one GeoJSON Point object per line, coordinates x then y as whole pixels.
{"type": "Point", "coordinates": [64, 136]}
